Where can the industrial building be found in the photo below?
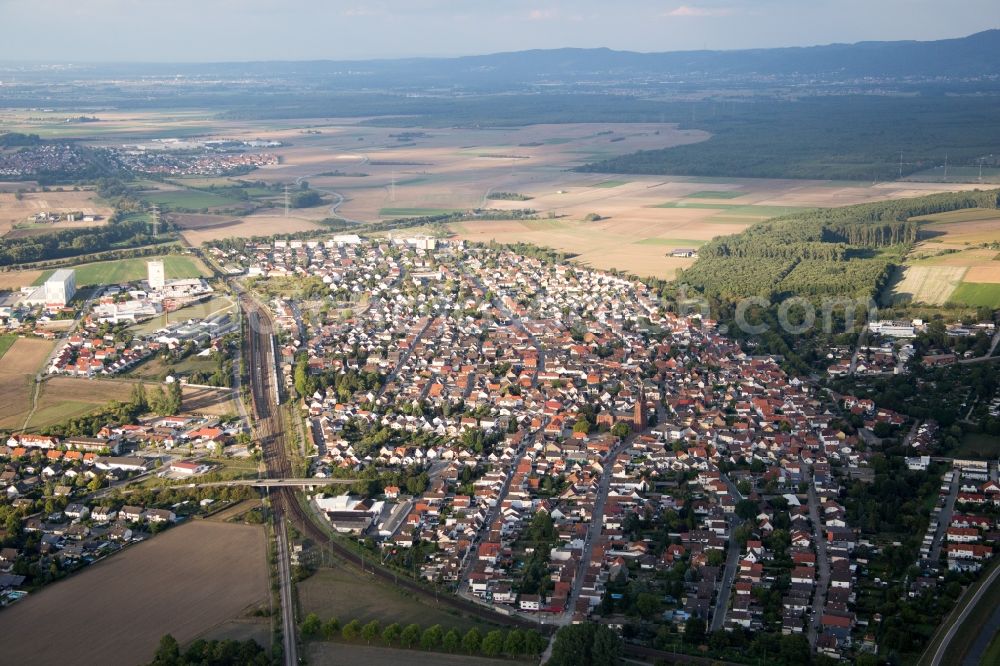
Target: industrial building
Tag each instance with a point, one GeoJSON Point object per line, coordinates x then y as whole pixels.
{"type": "Point", "coordinates": [157, 275]}
{"type": "Point", "coordinates": [60, 287]}
{"type": "Point", "coordinates": [57, 291]}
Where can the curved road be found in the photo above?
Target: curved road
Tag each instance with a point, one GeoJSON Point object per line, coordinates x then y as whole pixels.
{"type": "Point", "coordinates": [946, 642]}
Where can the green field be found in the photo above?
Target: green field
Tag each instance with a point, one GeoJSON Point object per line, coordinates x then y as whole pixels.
{"type": "Point", "coordinates": [611, 183]}
{"type": "Point", "coordinates": [131, 270]}
{"type": "Point", "coordinates": [415, 212]}
{"type": "Point", "coordinates": [346, 595]}
{"type": "Point", "coordinates": [976, 293]}
{"type": "Point", "coordinates": [6, 342]}
{"type": "Point", "coordinates": [746, 210]}
{"type": "Point", "coordinates": [716, 194]}
{"type": "Point", "coordinates": [187, 199]}
{"type": "Point", "coordinates": [46, 417]}
{"type": "Point", "coordinates": [992, 654]}
{"type": "Point", "coordinates": [673, 242]}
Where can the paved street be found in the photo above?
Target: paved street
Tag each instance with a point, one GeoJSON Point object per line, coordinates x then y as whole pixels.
{"type": "Point", "coordinates": [822, 563]}
{"type": "Point", "coordinates": [732, 564]}
{"type": "Point", "coordinates": [594, 529]}
{"type": "Point", "coordinates": [944, 518]}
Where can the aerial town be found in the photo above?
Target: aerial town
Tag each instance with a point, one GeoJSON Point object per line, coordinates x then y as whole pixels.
{"type": "Point", "coordinates": [468, 334]}
{"type": "Point", "coordinates": [580, 440]}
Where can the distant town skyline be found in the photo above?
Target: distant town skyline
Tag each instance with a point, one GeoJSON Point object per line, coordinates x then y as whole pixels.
{"type": "Point", "coordinates": [240, 30]}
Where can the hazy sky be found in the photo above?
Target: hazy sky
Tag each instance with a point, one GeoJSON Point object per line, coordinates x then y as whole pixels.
{"type": "Point", "coordinates": [224, 30]}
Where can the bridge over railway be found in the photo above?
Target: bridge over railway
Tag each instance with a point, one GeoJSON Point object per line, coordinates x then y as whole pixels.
{"type": "Point", "coordinates": [270, 431]}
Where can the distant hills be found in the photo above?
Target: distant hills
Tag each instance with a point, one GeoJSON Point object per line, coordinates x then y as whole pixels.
{"type": "Point", "coordinates": [975, 55]}
{"type": "Point", "coordinates": [966, 57]}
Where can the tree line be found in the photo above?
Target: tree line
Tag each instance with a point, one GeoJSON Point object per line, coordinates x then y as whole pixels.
{"type": "Point", "coordinates": [513, 643]}
{"type": "Point", "coordinates": [848, 251]}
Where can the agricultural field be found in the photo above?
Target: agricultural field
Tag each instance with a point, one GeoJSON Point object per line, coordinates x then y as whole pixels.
{"type": "Point", "coordinates": [341, 593]}
{"type": "Point", "coordinates": [716, 194]}
{"type": "Point", "coordinates": [263, 223]}
{"type": "Point", "coordinates": [414, 212]}
{"type": "Point", "coordinates": [933, 285]}
{"type": "Point", "coordinates": [202, 221]}
{"type": "Point", "coordinates": [14, 280]}
{"type": "Point", "coordinates": [977, 294]}
{"type": "Point", "coordinates": [130, 270]}
{"type": "Point", "coordinates": [369, 173]}
{"type": "Point", "coordinates": [18, 367]}
{"type": "Point", "coordinates": [188, 199]}
{"type": "Point", "coordinates": [62, 398]}
{"type": "Point", "coordinates": [956, 262]}
{"type": "Point", "coordinates": [15, 214]}
{"type": "Point", "coordinates": [6, 342]}
{"type": "Point", "coordinates": [224, 574]}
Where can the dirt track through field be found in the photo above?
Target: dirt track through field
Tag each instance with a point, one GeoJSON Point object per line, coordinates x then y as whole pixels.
{"type": "Point", "coordinates": [183, 582]}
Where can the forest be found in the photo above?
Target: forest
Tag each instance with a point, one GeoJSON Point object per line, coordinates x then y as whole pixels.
{"type": "Point", "coordinates": [73, 242]}
{"type": "Point", "coordinates": [843, 252]}
{"type": "Point", "coordinates": [857, 137]}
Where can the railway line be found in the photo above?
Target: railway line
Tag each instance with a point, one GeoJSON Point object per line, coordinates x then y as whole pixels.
{"type": "Point", "coordinates": [270, 431]}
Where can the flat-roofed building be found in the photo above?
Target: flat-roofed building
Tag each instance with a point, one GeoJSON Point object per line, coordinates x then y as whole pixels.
{"type": "Point", "coordinates": [60, 287]}
{"type": "Point", "coordinates": [157, 274]}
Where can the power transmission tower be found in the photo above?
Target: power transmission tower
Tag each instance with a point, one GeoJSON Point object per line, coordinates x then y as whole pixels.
{"type": "Point", "coordinates": [901, 165]}
{"type": "Point", "coordinates": [287, 201]}
{"type": "Point", "coordinates": [156, 220]}
{"type": "Point", "coordinates": [392, 187]}
{"type": "Point", "coordinates": [946, 167]}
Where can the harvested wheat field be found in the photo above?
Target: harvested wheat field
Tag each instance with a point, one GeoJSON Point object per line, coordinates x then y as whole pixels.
{"type": "Point", "coordinates": [202, 221]}
{"type": "Point", "coordinates": [984, 274]}
{"type": "Point", "coordinates": [17, 369]}
{"type": "Point", "coordinates": [14, 280]}
{"type": "Point", "coordinates": [927, 284]}
{"type": "Point", "coordinates": [184, 582]}
{"type": "Point", "coordinates": [16, 213]}
{"type": "Point", "coordinates": [262, 224]}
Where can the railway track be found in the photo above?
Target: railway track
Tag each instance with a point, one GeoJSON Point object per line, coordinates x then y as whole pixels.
{"type": "Point", "coordinates": [270, 429]}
